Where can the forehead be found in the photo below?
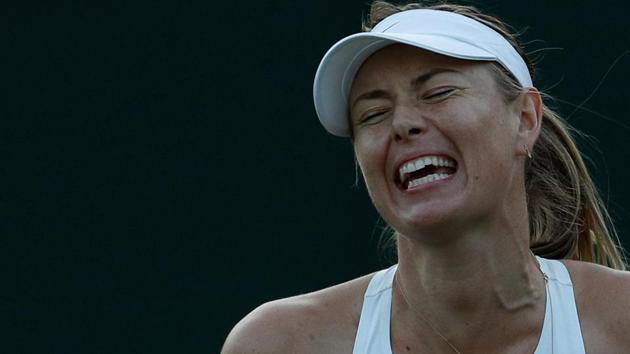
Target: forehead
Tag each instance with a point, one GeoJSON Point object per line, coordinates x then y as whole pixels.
{"type": "Point", "coordinates": [408, 59]}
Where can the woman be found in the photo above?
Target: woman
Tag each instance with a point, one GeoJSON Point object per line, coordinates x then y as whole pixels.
{"type": "Point", "coordinates": [475, 175]}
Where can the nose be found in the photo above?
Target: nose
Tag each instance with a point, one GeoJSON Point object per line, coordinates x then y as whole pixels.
{"type": "Point", "coordinates": [407, 123]}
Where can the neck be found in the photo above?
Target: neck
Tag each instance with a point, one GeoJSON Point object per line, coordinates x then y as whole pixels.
{"type": "Point", "coordinates": [483, 275]}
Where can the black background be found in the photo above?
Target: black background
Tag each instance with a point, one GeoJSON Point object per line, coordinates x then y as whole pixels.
{"type": "Point", "coordinates": [165, 172]}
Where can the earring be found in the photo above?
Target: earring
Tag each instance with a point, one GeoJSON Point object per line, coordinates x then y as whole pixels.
{"type": "Point", "coordinates": [529, 154]}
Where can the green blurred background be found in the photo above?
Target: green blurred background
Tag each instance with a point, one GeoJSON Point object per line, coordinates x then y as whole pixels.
{"type": "Point", "coordinates": [165, 172]}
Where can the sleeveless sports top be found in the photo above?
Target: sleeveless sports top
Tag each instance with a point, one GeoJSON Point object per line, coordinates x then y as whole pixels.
{"type": "Point", "coordinates": [560, 333]}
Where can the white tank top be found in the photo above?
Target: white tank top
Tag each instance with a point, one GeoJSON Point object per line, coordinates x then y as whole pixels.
{"type": "Point", "coordinates": [561, 332]}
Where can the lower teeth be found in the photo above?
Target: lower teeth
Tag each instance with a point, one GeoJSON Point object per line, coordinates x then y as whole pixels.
{"type": "Point", "coordinates": [427, 179]}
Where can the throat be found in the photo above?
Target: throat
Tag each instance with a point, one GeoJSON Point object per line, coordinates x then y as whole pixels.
{"type": "Point", "coordinates": [500, 284]}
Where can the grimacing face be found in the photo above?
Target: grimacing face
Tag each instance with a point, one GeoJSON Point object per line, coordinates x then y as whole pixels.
{"type": "Point", "coordinates": [437, 144]}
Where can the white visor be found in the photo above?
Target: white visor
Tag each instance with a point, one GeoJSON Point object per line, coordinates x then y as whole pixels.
{"type": "Point", "coordinates": [441, 32]}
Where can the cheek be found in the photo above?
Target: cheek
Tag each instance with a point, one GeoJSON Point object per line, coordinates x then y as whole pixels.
{"type": "Point", "coordinates": [479, 124]}
{"type": "Point", "coordinates": [487, 145]}
{"type": "Point", "coordinates": [370, 152]}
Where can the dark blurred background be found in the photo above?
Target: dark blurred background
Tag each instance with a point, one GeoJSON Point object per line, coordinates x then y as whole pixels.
{"type": "Point", "coordinates": [165, 172]}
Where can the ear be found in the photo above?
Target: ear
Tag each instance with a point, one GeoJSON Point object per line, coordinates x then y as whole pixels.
{"type": "Point", "coordinates": [530, 112]}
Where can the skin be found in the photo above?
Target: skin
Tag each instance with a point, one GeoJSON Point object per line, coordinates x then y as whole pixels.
{"type": "Point", "coordinates": [464, 262]}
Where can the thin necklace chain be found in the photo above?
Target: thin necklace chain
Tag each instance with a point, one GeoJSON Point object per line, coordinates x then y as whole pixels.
{"type": "Point", "coordinates": [400, 290]}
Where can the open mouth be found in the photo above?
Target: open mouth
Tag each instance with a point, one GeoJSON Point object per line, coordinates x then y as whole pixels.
{"type": "Point", "coordinates": [424, 170]}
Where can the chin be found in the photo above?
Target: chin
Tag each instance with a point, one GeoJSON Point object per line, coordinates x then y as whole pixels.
{"type": "Point", "coordinates": [425, 222]}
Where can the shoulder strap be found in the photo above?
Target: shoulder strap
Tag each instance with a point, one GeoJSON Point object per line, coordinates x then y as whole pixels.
{"type": "Point", "coordinates": [561, 332]}
{"type": "Point", "coordinates": [374, 323]}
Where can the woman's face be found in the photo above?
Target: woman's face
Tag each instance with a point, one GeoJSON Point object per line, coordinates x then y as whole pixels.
{"type": "Point", "coordinates": [436, 142]}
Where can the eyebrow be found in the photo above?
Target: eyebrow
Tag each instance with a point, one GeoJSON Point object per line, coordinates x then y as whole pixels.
{"type": "Point", "coordinates": [423, 78]}
{"type": "Point", "coordinates": [378, 93]}
{"type": "Point", "coordinates": [415, 84]}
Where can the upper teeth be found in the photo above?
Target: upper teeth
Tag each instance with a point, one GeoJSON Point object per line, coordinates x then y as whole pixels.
{"type": "Point", "coordinates": [420, 163]}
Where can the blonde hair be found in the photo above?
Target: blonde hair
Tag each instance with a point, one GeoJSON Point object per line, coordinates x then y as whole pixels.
{"type": "Point", "coordinates": [567, 217]}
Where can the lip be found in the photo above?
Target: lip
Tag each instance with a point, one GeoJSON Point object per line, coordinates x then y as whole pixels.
{"type": "Point", "coordinates": [410, 157]}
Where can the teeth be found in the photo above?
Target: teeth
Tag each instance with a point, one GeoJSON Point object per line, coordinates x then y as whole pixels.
{"type": "Point", "coordinates": [420, 163]}
{"type": "Point", "coordinates": [427, 179]}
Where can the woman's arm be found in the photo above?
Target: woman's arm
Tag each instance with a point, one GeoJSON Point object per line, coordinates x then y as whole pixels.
{"type": "Point", "coordinates": [324, 321]}
{"type": "Point", "coordinates": [603, 300]}
{"type": "Point", "coordinates": [614, 307]}
{"type": "Point", "coordinates": [267, 329]}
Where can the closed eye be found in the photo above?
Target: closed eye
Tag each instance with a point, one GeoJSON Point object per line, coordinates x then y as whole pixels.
{"type": "Point", "coordinates": [442, 93]}
{"type": "Point", "coordinates": [371, 118]}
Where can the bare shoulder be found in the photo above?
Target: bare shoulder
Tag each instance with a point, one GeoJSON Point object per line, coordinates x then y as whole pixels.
{"type": "Point", "coordinates": [601, 295]}
{"type": "Point", "coordinates": [324, 321]}
{"type": "Point", "coordinates": [594, 282]}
